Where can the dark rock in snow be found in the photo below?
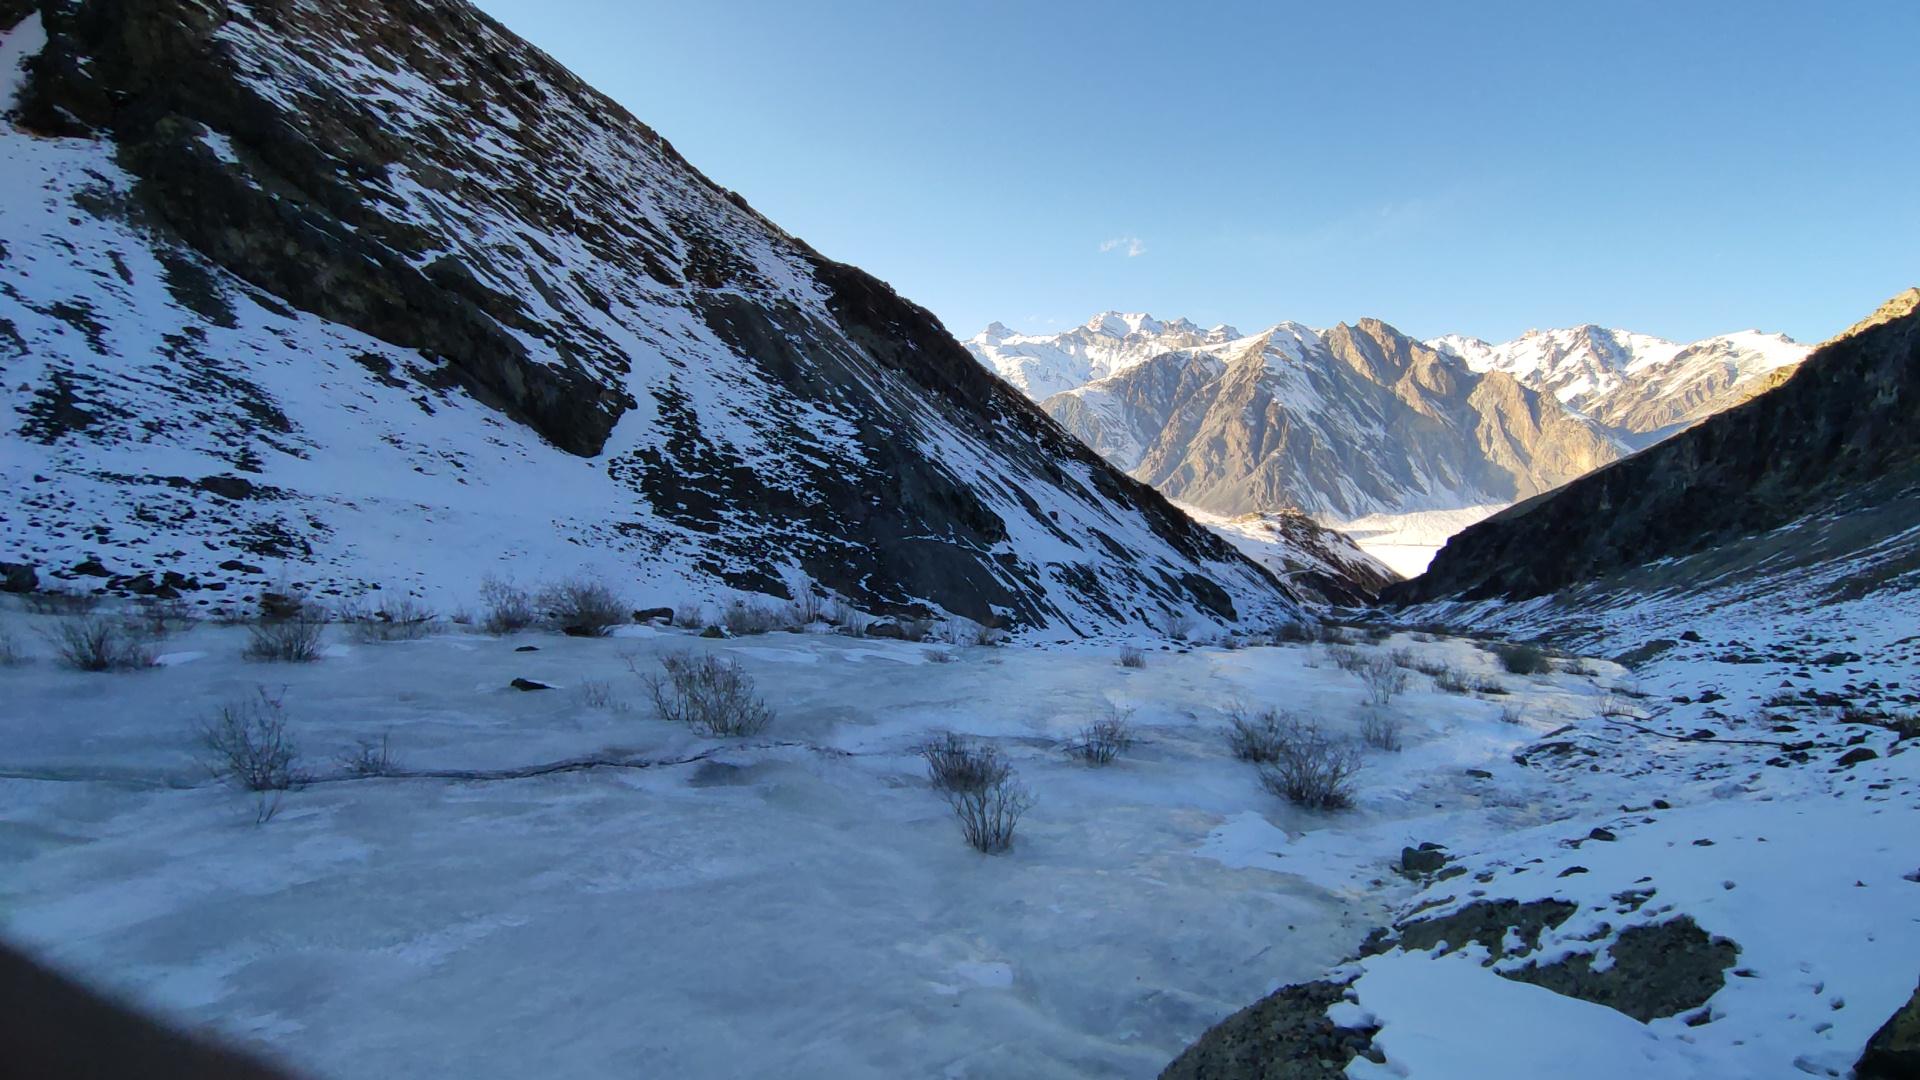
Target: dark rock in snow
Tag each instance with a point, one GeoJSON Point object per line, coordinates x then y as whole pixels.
{"type": "Point", "coordinates": [1857, 755]}
{"type": "Point", "coordinates": [1894, 1051]}
{"type": "Point", "coordinates": [653, 614]}
{"type": "Point", "coordinates": [18, 578]}
{"type": "Point", "coordinates": [1284, 1036]}
{"type": "Point", "coordinates": [528, 648]}
{"type": "Point", "coordinates": [1421, 860]}
{"type": "Point", "coordinates": [528, 684]}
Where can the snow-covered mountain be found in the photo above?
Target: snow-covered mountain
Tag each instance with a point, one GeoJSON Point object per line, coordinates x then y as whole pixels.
{"type": "Point", "coordinates": [374, 294]}
{"type": "Point", "coordinates": [1642, 388]}
{"type": "Point", "coordinates": [1363, 422]}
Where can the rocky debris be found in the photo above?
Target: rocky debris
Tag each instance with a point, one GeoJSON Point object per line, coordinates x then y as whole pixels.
{"type": "Point", "coordinates": [1656, 971]}
{"type": "Point", "coordinates": [1283, 1036]}
{"type": "Point", "coordinates": [1856, 755]}
{"type": "Point", "coordinates": [528, 684]}
{"type": "Point", "coordinates": [1425, 859]}
{"type": "Point", "coordinates": [18, 578]}
{"type": "Point", "coordinates": [1894, 1051]}
{"type": "Point", "coordinates": [527, 648]}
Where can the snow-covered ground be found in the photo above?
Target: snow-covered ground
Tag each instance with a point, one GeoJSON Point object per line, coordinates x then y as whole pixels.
{"type": "Point", "coordinates": [801, 904]}
{"type": "Point", "coordinates": [796, 904]}
{"type": "Point", "coordinates": [1406, 543]}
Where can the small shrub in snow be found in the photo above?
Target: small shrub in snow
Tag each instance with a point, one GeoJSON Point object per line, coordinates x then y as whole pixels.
{"type": "Point", "coordinates": [988, 814]}
{"type": "Point", "coordinates": [583, 607]}
{"type": "Point", "coordinates": [741, 618]}
{"type": "Point", "coordinates": [1380, 729]}
{"type": "Point", "coordinates": [1512, 715]}
{"type": "Point", "coordinates": [294, 639]}
{"type": "Point", "coordinates": [61, 601]}
{"type": "Point", "coordinates": [1131, 657]}
{"type": "Point", "coordinates": [248, 746]}
{"type": "Point", "coordinates": [1106, 738]}
{"type": "Point", "coordinates": [1176, 625]}
{"type": "Point", "coordinates": [806, 608]}
{"type": "Point", "coordinates": [1522, 659]}
{"type": "Point", "coordinates": [1311, 768]}
{"type": "Point", "coordinates": [370, 757]}
{"type": "Point", "coordinates": [1255, 737]}
{"type": "Point", "coordinates": [943, 656]}
{"type": "Point", "coordinates": [596, 694]}
{"type": "Point", "coordinates": [1294, 633]}
{"type": "Point", "coordinates": [100, 643]}
{"type": "Point", "coordinates": [711, 695]}
{"type": "Point", "coordinates": [1453, 680]}
{"type": "Point", "coordinates": [956, 763]}
{"type": "Point", "coordinates": [161, 619]}
{"type": "Point", "coordinates": [505, 608]}
{"type": "Point", "coordinates": [1347, 658]}
{"type": "Point", "coordinates": [1404, 658]}
{"type": "Point", "coordinates": [1383, 680]}
{"type": "Point", "coordinates": [1337, 635]}
{"type": "Point", "coordinates": [1582, 667]}
{"type": "Point", "coordinates": [397, 618]}
{"type": "Point", "coordinates": [1487, 684]}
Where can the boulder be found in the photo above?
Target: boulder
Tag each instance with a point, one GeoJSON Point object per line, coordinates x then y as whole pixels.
{"type": "Point", "coordinates": [1894, 1050]}
{"type": "Point", "coordinates": [18, 578]}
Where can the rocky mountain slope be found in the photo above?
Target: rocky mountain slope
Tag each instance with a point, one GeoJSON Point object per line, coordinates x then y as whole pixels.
{"type": "Point", "coordinates": [1323, 565]}
{"type": "Point", "coordinates": [1822, 467]}
{"type": "Point", "coordinates": [376, 294]}
{"type": "Point", "coordinates": [1362, 420]}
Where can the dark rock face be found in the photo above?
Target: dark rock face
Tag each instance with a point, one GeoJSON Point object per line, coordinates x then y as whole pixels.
{"type": "Point", "coordinates": [1657, 971]}
{"type": "Point", "coordinates": [1284, 1036]}
{"type": "Point", "coordinates": [483, 227]}
{"type": "Point", "coordinates": [1841, 431]}
{"type": "Point", "coordinates": [1894, 1051]}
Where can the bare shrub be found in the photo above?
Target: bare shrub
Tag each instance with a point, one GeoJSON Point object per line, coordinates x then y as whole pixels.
{"type": "Point", "coordinates": [1582, 667]}
{"type": "Point", "coordinates": [1382, 679]}
{"type": "Point", "coordinates": [1131, 657]}
{"type": "Point", "coordinates": [943, 656]}
{"type": "Point", "coordinates": [1231, 642]}
{"type": "Point", "coordinates": [247, 745]}
{"type": "Point", "coordinates": [1487, 684]}
{"type": "Point", "coordinates": [583, 606]}
{"type": "Point", "coordinates": [294, 639]}
{"type": "Point", "coordinates": [397, 618]}
{"type": "Point", "coordinates": [101, 643]}
{"type": "Point", "coordinates": [1294, 633]}
{"type": "Point", "coordinates": [1434, 668]}
{"type": "Point", "coordinates": [505, 608]}
{"type": "Point", "coordinates": [1512, 715]}
{"type": "Point", "coordinates": [1255, 737]}
{"type": "Point", "coordinates": [1311, 768]}
{"type": "Point", "coordinates": [1176, 625]}
{"type": "Point", "coordinates": [711, 695]}
{"type": "Point", "coordinates": [370, 757]}
{"type": "Point", "coordinates": [1380, 729]}
{"type": "Point", "coordinates": [595, 694]}
{"type": "Point", "coordinates": [1347, 658]}
{"type": "Point", "coordinates": [989, 814]}
{"type": "Point", "coordinates": [1404, 658]}
{"type": "Point", "coordinates": [1105, 738]}
{"type": "Point", "coordinates": [1331, 634]}
{"type": "Point", "coordinates": [61, 601]}
{"type": "Point", "coordinates": [741, 618]}
{"type": "Point", "coordinates": [1523, 659]}
{"type": "Point", "coordinates": [806, 608]}
{"type": "Point", "coordinates": [1453, 680]}
{"type": "Point", "coordinates": [956, 763]}
{"type": "Point", "coordinates": [160, 619]}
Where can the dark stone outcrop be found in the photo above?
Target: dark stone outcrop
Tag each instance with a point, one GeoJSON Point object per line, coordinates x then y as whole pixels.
{"type": "Point", "coordinates": [1894, 1051]}
{"type": "Point", "coordinates": [1283, 1036]}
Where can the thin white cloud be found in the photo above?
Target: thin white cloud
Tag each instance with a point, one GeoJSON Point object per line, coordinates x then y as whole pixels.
{"type": "Point", "coordinates": [1130, 246]}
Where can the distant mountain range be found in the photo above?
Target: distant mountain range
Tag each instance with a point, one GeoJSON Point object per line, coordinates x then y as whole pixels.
{"type": "Point", "coordinates": [1361, 420]}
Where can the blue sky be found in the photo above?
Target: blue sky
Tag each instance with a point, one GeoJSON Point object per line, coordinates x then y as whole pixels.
{"type": "Point", "coordinates": [1677, 168]}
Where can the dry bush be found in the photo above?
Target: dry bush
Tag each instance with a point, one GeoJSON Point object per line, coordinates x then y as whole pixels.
{"type": "Point", "coordinates": [989, 814]}
{"type": "Point", "coordinates": [1523, 659]}
{"type": "Point", "coordinates": [1453, 680]}
{"type": "Point", "coordinates": [396, 618]}
{"type": "Point", "coordinates": [943, 656]}
{"type": "Point", "coordinates": [956, 763]}
{"type": "Point", "coordinates": [247, 745]}
{"type": "Point", "coordinates": [61, 601]}
{"type": "Point", "coordinates": [1512, 715]}
{"type": "Point", "coordinates": [1131, 657]}
{"type": "Point", "coordinates": [161, 619]}
{"type": "Point", "coordinates": [1176, 625]}
{"type": "Point", "coordinates": [583, 607]}
{"type": "Point", "coordinates": [711, 695]}
{"type": "Point", "coordinates": [1255, 737]}
{"type": "Point", "coordinates": [101, 643]}
{"type": "Point", "coordinates": [1582, 667]}
{"type": "Point", "coordinates": [1347, 658]}
{"type": "Point", "coordinates": [1295, 633]}
{"type": "Point", "coordinates": [741, 618]}
{"type": "Point", "coordinates": [505, 608]}
{"type": "Point", "coordinates": [805, 609]}
{"type": "Point", "coordinates": [1311, 768]}
{"type": "Point", "coordinates": [370, 757]}
{"type": "Point", "coordinates": [1106, 738]}
{"type": "Point", "coordinates": [1331, 634]}
{"type": "Point", "coordinates": [1380, 729]}
{"type": "Point", "coordinates": [1488, 684]}
{"type": "Point", "coordinates": [1382, 679]}
{"type": "Point", "coordinates": [294, 639]}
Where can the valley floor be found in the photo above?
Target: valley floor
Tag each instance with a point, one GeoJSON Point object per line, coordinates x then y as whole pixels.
{"type": "Point", "coordinates": [801, 903]}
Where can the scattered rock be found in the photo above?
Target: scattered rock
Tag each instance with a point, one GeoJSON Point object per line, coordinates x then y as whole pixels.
{"type": "Point", "coordinates": [886, 630]}
{"type": "Point", "coordinates": [92, 567]}
{"type": "Point", "coordinates": [1692, 637]}
{"type": "Point", "coordinates": [1284, 1036]}
{"type": "Point", "coordinates": [653, 614]}
{"type": "Point", "coordinates": [1894, 1050]}
{"type": "Point", "coordinates": [18, 578]}
{"type": "Point", "coordinates": [1485, 922]}
{"type": "Point", "coordinates": [1662, 804]}
{"type": "Point", "coordinates": [528, 648]}
{"type": "Point", "coordinates": [528, 684]}
{"type": "Point", "coordinates": [235, 566]}
{"type": "Point", "coordinates": [1602, 834]}
{"type": "Point", "coordinates": [1480, 774]}
{"type": "Point", "coordinates": [1424, 859]}
{"type": "Point", "coordinates": [1656, 971]}
{"type": "Point", "coordinates": [1857, 755]}
{"type": "Point", "coordinates": [1572, 870]}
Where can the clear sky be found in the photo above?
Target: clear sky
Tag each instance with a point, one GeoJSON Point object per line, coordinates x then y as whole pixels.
{"type": "Point", "coordinates": [1681, 168]}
